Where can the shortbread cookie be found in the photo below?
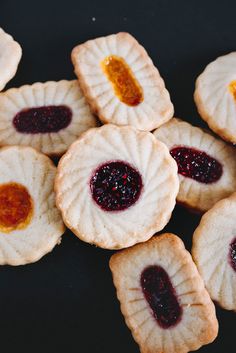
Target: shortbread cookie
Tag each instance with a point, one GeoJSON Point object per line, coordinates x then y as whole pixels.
{"type": "Point", "coordinates": [116, 186]}
{"type": "Point", "coordinates": [121, 83]}
{"type": "Point", "coordinates": [214, 251]}
{"type": "Point", "coordinates": [10, 55]}
{"type": "Point", "coordinates": [206, 165]}
{"type": "Point", "coordinates": [30, 223]}
{"type": "Point", "coordinates": [215, 96]}
{"type": "Point", "coordinates": [47, 116]}
{"type": "Point", "coordinates": [162, 296]}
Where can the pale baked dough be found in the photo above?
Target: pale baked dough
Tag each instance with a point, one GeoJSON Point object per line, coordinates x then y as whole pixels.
{"type": "Point", "coordinates": [198, 325]}
{"type": "Point", "coordinates": [211, 251]}
{"type": "Point", "coordinates": [35, 171]}
{"type": "Point", "coordinates": [156, 107]}
{"type": "Point", "coordinates": [113, 230]}
{"type": "Point", "coordinates": [194, 194]}
{"type": "Point", "coordinates": [10, 55]}
{"type": "Point", "coordinates": [215, 103]}
{"type": "Point", "coordinates": [51, 93]}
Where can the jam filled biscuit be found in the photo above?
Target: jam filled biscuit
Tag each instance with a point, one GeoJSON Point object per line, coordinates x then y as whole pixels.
{"type": "Point", "coordinates": [10, 55]}
{"type": "Point", "coordinates": [116, 186]}
{"type": "Point", "coordinates": [162, 296]}
{"type": "Point", "coordinates": [47, 116]}
{"type": "Point", "coordinates": [215, 96]}
{"type": "Point", "coordinates": [30, 223]}
{"type": "Point", "coordinates": [206, 165]}
{"type": "Point", "coordinates": [121, 83]}
{"type": "Point", "coordinates": [214, 252]}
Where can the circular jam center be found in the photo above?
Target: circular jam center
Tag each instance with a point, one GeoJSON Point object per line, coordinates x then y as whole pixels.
{"type": "Point", "coordinates": [45, 119]}
{"type": "Point", "coordinates": [115, 186]}
{"type": "Point", "coordinates": [232, 254]}
{"type": "Point", "coordinates": [232, 88]}
{"type": "Point", "coordinates": [16, 207]}
{"type": "Point", "coordinates": [161, 296]}
{"type": "Point", "coordinates": [125, 85]}
{"type": "Point", "coordinates": [197, 165]}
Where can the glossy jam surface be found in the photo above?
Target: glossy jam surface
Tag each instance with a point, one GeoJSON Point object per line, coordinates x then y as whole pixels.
{"type": "Point", "coordinates": [16, 207]}
{"type": "Point", "coordinates": [197, 165]}
{"type": "Point", "coordinates": [232, 254]}
{"type": "Point", "coordinates": [161, 296]}
{"type": "Point", "coordinates": [115, 186]}
{"type": "Point", "coordinates": [43, 120]}
{"type": "Point", "coordinates": [232, 88]}
{"type": "Point", "coordinates": [124, 83]}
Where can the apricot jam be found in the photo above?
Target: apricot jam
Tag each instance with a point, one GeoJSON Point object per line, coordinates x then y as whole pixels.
{"type": "Point", "coordinates": [124, 83]}
{"type": "Point", "coordinates": [232, 88]}
{"type": "Point", "coordinates": [16, 207]}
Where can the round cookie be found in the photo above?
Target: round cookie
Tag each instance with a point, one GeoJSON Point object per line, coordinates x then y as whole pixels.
{"type": "Point", "coordinates": [162, 296]}
{"type": "Point", "coordinates": [116, 186]}
{"type": "Point", "coordinates": [10, 55]}
{"type": "Point", "coordinates": [215, 96]}
{"type": "Point", "coordinates": [206, 165]}
{"type": "Point", "coordinates": [46, 116]}
{"type": "Point", "coordinates": [120, 82]}
{"type": "Point", "coordinates": [30, 223]}
{"type": "Point", "coordinates": [214, 252]}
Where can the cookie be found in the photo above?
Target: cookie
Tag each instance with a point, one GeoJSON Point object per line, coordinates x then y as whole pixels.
{"type": "Point", "coordinates": [162, 296]}
{"type": "Point", "coordinates": [214, 251]}
{"type": "Point", "coordinates": [116, 186]}
{"type": "Point", "coordinates": [10, 55]}
{"type": "Point", "coordinates": [30, 223]}
{"type": "Point", "coordinates": [206, 165]}
{"type": "Point", "coordinates": [120, 82]}
{"type": "Point", "coordinates": [46, 116]}
{"type": "Point", "coordinates": [215, 96]}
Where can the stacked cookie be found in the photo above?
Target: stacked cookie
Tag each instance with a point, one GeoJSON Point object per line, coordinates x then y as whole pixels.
{"type": "Point", "coordinates": [116, 185]}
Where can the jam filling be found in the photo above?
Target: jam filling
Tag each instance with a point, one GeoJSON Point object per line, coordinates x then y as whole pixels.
{"type": "Point", "coordinates": [16, 207]}
{"type": "Point", "coordinates": [232, 254]}
{"type": "Point", "coordinates": [124, 83]}
{"type": "Point", "coordinates": [232, 88]}
{"type": "Point", "coordinates": [115, 186]}
{"type": "Point", "coordinates": [42, 120]}
{"type": "Point", "coordinates": [197, 165]}
{"type": "Point", "coordinates": [161, 296]}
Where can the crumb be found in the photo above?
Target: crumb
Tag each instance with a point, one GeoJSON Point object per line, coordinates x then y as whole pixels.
{"type": "Point", "coordinates": [93, 19]}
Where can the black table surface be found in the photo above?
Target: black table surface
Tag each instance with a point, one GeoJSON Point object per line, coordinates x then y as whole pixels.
{"type": "Point", "coordinates": [66, 302]}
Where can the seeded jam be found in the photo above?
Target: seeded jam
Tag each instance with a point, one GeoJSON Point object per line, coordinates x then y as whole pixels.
{"type": "Point", "coordinates": [16, 207]}
{"type": "Point", "coordinates": [124, 83]}
{"type": "Point", "coordinates": [196, 164]}
{"type": "Point", "coordinates": [43, 120]}
{"type": "Point", "coordinates": [115, 186]}
{"type": "Point", "coordinates": [161, 296]}
{"type": "Point", "coordinates": [232, 254]}
{"type": "Point", "coordinates": [232, 88]}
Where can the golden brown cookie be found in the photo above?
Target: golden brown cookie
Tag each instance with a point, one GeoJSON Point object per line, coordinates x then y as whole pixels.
{"type": "Point", "coordinates": [162, 296]}
{"type": "Point", "coordinates": [116, 186]}
{"type": "Point", "coordinates": [10, 55]}
{"type": "Point", "coordinates": [47, 116]}
{"type": "Point", "coordinates": [206, 165]}
{"type": "Point", "coordinates": [120, 82]}
{"type": "Point", "coordinates": [30, 223]}
{"type": "Point", "coordinates": [214, 251]}
{"type": "Point", "coordinates": [215, 96]}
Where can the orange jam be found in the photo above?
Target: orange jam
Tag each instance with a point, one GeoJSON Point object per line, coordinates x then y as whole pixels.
{"type": "Point", "coordinates": [124, 83]}
{"type": "Point", "coordinates": [232, 88]}
{"type": "Point", "coordinates": [16, 207]}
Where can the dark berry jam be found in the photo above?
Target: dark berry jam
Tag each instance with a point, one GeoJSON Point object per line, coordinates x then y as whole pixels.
{"type": "Point", "coordinates": [115, 186]}
{"type": "Point", "coordinates": [232, 254]}
{"type": "Point", "coordinates": [161, 296]}
{"type": "Point", "coordinates": [197, 165]}
{"type": "Point", "coordinates": [46, 119]}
